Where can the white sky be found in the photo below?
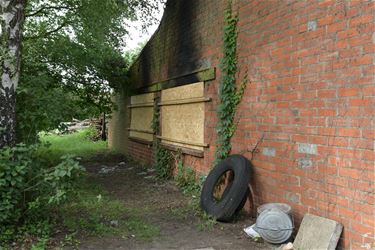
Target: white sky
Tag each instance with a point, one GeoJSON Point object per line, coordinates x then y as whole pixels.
{"type": "Point", "coordinates": [136, 36]}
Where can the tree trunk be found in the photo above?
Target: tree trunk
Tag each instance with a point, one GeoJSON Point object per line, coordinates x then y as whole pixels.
{"type": "Point", "coordinates": [12, 15]}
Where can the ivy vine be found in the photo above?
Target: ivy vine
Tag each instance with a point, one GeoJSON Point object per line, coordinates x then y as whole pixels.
{"type": "Point", "coordinates": [162, 157]}
{"type": "Point", "coordinates": [229, 95]}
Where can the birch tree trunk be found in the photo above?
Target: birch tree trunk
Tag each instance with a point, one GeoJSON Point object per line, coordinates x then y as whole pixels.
{"type": "Point", "coordinates": [12, 15]}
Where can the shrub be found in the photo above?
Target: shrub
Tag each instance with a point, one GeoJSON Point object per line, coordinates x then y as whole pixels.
{"type": "Point", "coordinates": [28, 186]}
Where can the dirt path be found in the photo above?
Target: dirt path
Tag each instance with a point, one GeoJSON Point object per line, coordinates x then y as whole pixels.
{"type": "Point", "coordinates": [167, 208]}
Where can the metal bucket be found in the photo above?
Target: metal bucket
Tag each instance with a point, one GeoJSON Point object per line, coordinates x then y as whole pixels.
{"type": "Point", "coordinates": [275, 222]}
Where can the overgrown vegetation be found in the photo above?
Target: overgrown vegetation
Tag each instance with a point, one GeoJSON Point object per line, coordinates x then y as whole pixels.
{"type": "Point", "coordinates": [162, 157]}
{"type": "Point", "coordinates": [163, 163]}
{"type": "Point", "coordinates": [191, 185]}
{"type": "Point", "coordinates": [229, 95]}
{"type": "Point", "coordinates": [79, 144]}
{"type": "Point", "coordinates": [30, 189]}
{"type": "Point", "coordinates": [186, 180]}
{"type": "Point", "coordinates": [94, 212]}
{"type": "Point", "coordinates": [39, 199]}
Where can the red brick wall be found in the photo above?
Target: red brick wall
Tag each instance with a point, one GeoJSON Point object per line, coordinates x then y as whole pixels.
{"type": "Point", "coordinates": [140, 152]}
{"type": "Point", "coordinates": [309, 104]}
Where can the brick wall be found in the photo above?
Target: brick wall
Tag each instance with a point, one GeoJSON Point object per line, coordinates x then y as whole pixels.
{"type": "Point", "coordinates": [309, 105]}
{"type": "Point", "coordinates": [140, 152]}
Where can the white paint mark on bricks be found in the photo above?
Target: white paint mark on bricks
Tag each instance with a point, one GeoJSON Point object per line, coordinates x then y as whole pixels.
{"type": "Point", "coordinates": [269, 152]}
{"type": "Point", "coordinates": [311, 26]}
{"type": "Point", "coordinates": [306, 148]}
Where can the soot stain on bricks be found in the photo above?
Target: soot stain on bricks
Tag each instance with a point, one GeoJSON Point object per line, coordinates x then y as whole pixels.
{"type": "Point", "coordinates": [185, 57]}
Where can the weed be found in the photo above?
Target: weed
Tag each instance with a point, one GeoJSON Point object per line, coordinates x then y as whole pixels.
{"type": "Point", "coordinates": [163, 163]}
{"type": "Point", "coordinates": [94, 212]}
{"type": "Point", "coordinates": [207, 222]}
{"type": "Point", "coordinates": [30, 189]}
{"type": "Point", "coordinates": [186, 179]}
{"type": "Point", "coordinates": [69, 240]}
{"type": "Point", "coordinates": [40, 245]}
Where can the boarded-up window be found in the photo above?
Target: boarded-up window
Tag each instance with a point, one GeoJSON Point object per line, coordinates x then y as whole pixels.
{"type": "Point", "coordinates": [142, 108]}
{"type": "Point", "coordinates": [182, 116]}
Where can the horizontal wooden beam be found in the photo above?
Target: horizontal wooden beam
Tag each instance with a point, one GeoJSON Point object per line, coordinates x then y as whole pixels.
{"type": "Point", "coordinates": [185, 101]}
{"type": "Point", "coordinates": [141, 105]}
{"type": "Point", "coordinates": [139, 140]}
{"type": "Point", "coordinates": [193, 77]}
{"type": "Point", "coordinates": [187, 151]}
{"type": "Point", "coordinates": [197, 144]}
{"type": "Point", "coordinates": [140, 131]}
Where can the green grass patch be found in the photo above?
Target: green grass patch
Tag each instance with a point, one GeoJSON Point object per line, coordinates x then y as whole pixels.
{"type": "Point", "coordinates": [78, 144]}
{"type": "Point", "coordinates": [94, 212]}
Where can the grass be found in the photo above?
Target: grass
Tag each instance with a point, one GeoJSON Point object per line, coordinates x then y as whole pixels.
{"type": "Point", "coordinates": [91, 211]}
{"type": "Point", "coordinates": [77, 144]}
{"type": "Point", "coordinates": [94, 212]}
{"type": "Point", "coordinates": [186, 180]}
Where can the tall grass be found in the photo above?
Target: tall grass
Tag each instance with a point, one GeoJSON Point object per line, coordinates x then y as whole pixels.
{"type": "Point", "coordinates": [78, 144]}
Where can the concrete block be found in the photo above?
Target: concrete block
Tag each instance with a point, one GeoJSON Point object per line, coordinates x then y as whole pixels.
{"type": "Point", "coordinates": [269, 152]}
{"type": "Point", "coordinates": [307, 148]}
{"type": "Point", "coordinates": [317, 232]}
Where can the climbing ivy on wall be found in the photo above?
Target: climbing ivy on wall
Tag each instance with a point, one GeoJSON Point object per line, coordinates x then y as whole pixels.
{"type": "Point", "coordinates": [162, 157]}
{"type": "Point", "coordinates": [229, 95]}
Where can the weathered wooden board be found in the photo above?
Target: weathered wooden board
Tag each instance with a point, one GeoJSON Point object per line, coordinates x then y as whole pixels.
{"type": "Point", "coordinates": [183, 122]}
{"type": "Point", "coordinates": [141, 99]}
{"type": "Point", "coordinates": [184, 92]}
{"type": "Point", "coordinates": [141, 117]}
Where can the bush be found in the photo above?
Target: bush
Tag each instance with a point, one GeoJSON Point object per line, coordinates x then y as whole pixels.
{"type": "Point", "coordinates": [29, 187]}
{"type": "Point", "coordinates": [92, 133]}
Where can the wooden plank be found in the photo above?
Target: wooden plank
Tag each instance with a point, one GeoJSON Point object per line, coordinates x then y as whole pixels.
{"type": "Point", "coordinates": [187, 151]}
{"type": "Point", "coordinates": [197, 76]}
{"type": "Point", "coordinates": [141, 105]}
{"type": "Point", "coordinates": [141, 141]}
{"type": "Point", "coordinates": [183, 122]}
{"type": "Point", "coordinates": [141, 109]}
{"type": "Point", "coordinates": [185, 101]}
{"type": "Point", "coordinates": [141, 131]}
{"type": "Point", "coordinates": [197, 144]}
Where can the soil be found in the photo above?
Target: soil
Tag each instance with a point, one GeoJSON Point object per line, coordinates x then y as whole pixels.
{"type": "Point", "coordinates": [137, 188]}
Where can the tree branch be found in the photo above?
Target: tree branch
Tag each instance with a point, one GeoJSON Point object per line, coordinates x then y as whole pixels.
{"type": "Point", "coordinates": [46, 34]}
{"type": "Point", "coordinates": [47, 7]}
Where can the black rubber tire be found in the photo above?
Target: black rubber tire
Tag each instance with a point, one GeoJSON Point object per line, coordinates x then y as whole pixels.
{"type": "Point", "coordinates": [243, 202]}
{"type": "Point", "coordinates": [244, 199]}
{"type": "Point", "coordinates": [224, 209]}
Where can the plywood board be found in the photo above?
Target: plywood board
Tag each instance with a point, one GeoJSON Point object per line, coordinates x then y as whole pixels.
{"type": "Point", "coordinates": [184, 92]}
{"type": "Point", "coordinates": [144, 98]}
{"type": "Point", "coordinates": [183, 122]}
{"type": "Point", "coordinates": [141, 117]}
{"type": "Point", "coordinates": [140, 135]}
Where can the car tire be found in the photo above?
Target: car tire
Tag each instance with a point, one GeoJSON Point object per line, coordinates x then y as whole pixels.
{"type": "Point", "coordinates": [234, 195]}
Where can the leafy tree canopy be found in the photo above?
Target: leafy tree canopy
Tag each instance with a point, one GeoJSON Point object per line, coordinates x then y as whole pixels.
{"type": "Point", "coordinates": [73, 58]}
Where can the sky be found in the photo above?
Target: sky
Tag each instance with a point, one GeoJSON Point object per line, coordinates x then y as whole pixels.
{"type": "Point", "coordinates": [136, 36]}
